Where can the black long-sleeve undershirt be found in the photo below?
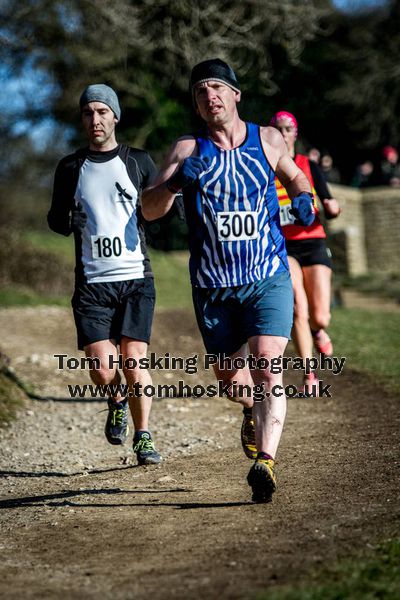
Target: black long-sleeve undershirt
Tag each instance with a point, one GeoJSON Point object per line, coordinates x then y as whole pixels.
{"type": "Point", "coordinates": [320, 183]}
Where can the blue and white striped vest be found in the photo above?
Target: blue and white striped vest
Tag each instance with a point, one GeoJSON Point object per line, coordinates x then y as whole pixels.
{"type": "Point", "coordinates": [232, 211]}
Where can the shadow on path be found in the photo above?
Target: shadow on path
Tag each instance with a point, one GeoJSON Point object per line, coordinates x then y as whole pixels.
{"type": "Point", "coordinates": [59, 499]}
{"type": "Point", "coordinates": [36, 474]}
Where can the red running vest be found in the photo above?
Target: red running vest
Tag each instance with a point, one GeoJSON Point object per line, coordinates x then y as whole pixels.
{"type": "Point", "coordinates": [298, 232]}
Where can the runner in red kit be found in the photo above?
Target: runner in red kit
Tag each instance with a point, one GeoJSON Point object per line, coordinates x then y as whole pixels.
{"type": "Point", "coordinates": [309, 257]}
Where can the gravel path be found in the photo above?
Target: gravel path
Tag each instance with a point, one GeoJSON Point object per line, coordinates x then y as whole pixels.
{"type": "Point", "coordinates": [80, 520]}
{"type": "Point", "coordinates": [67, 435]}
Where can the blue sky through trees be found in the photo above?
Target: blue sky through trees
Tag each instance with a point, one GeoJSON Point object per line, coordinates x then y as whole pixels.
{"type": "Point", "coordinates": [350, 5]}
{"type": "Point", "coordinates": [25, 95]}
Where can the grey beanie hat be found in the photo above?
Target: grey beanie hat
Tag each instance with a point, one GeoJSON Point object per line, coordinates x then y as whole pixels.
{"type": "Point", "coordinates": [99, 92]}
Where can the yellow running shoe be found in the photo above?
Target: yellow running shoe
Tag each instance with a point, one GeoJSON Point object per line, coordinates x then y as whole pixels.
{"type": "Point", "coordinates": [248, 434]}
{"type": "Point", "coordinates": [262, 480]}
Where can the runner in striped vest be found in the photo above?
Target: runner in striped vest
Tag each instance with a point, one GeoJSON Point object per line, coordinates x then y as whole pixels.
{"type": "Point", "coordinates": [242, 290]}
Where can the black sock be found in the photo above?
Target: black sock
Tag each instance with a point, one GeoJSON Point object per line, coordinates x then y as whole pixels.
{"type": "Point", "coordinates": [247, 410]}
{"type": "Point", "coordinates": [122, 401]}
{"type": "Point", "coordinates": [264, 456]}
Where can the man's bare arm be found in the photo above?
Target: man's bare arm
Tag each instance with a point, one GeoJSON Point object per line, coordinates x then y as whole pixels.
{"type": "Point", "coordinates": [291, 177]}
{"type": "Point", "coordinates": [157, 199]}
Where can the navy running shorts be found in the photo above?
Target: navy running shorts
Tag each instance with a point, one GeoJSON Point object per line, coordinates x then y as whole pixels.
{"type": "Point", "coordinates": [228, 317]}
{"type": "Point", "coordinates": [310, 252]}
{"type": "Point", "coordinates": [110, 310]}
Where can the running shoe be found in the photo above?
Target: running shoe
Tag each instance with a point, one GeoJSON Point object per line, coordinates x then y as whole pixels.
{"type": "Point", "coordinates": [311, 385]}
{"type": "Point", "coordinates": [248, 434]}
{"type": "Point", "coordinates": [116, 428]}
{"type": "Point", "coordinates": [322, 342]}
{"type": "Point", "coordinates": [144, 448]}
{"type": "Point", "coordinates": [261, 479]}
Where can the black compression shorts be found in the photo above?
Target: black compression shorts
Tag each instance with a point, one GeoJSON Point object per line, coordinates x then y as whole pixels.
{"type": "Point", "coordinates": [111, 310]}
{"type": "Point", "coordinates": [310, 252]}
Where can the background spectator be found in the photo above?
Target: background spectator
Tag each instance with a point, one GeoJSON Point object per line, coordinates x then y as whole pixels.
{"type": "Point", "coordinates": [390, 167]}
{"type": "Point", "coordinates": [332, 175]}
{"type": "Point", "coordinates": [314, 154]}
{"type": "Point", "coordinates": [363, 176]}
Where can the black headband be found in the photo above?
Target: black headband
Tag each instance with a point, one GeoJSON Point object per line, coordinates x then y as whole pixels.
{"type": "Point", "coordinates": [214, 70]}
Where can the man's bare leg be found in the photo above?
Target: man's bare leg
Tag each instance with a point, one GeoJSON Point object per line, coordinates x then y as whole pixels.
{"type": "Point", "coordinates": [241, 377]}
{"type": "Point", "coordinates": [269, 416]}
{"type": "Point", "coordinates": [139, 403]}
{"type": "Point", "coordinates": [106, 351]}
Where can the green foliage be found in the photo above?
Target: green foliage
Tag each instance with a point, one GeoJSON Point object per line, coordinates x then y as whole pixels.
{"type": "Point", "coordinates": [145, 49]}
{"type": "Point", "coordinates": [370, 78]}
{"type": "Point", "coordinates": [168, 233]}
{"type": "Point", "coordinates": [347, 89]}
{"type": "Point", "coordinates": [371, 575]}
{"type": "Point", "coordinates": [332, 69]}
{"type": "Point", "coordinates": [369, 340]}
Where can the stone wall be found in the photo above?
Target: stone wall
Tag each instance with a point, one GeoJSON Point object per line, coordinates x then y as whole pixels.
{"type": "Point", "coordinates": [368, 229]}
{"type": "Point", "coordinates": [381, 209]}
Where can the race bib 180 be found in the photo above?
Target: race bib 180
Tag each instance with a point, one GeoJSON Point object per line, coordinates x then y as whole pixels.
{"type": "Point", "coordinates": [106, 247]}
{"type": "Point", "coordinates": [235, 226]}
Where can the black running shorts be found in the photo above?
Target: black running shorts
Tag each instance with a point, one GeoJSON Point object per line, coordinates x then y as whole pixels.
{"type": "Point", "coordinates": [111, 310]}
{"type": "Point", "coordinates": [310, 252]}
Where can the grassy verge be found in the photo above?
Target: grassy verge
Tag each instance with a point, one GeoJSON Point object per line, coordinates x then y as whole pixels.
{"type": "Point", "coordinates": [171, 274]}
{"type": "Point", "coordinates": [11, 396]}
{"type": "Point", "coordinates": [20, 296]}
{"type": "Point", "coordinates": [374, 574]}
{"type": "Point", "coordinates": [370, 342]}
{"type": "Point", "coordinates": [58, 245]}
{"type": "Point", "coordinates": [171, 277]}
{"type": "Point", "coordinates": [386, 285]}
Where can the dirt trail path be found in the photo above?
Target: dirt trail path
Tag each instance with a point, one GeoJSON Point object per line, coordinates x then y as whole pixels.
{"type": "Point", "coordinates": [80, 520]}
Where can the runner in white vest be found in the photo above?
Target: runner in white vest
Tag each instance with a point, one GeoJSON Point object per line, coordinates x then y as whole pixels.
{"type": "Point", "coordinates": [96, 196]}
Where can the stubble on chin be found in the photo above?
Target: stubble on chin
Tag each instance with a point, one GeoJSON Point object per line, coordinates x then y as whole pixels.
{"type": "Point", "coordinates": [99, 141]}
